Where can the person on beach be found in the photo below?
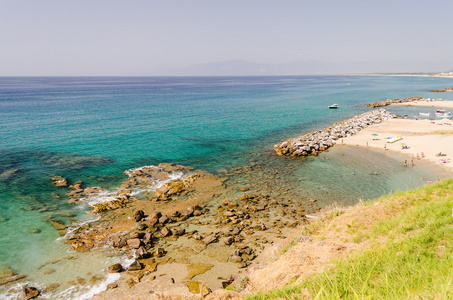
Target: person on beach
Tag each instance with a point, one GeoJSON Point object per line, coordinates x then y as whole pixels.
{"type": "Point", "coordinates": [405, 163]}
{"type": "Point", "coordinates": [412, 163]}
{"type": "Point", "coordinates": [423, 154]}
{"type": "Point", "coordinates": [418, 156]}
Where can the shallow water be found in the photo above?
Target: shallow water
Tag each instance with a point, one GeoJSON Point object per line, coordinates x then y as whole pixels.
{"type": "Point", "coordinates": [93, 129]}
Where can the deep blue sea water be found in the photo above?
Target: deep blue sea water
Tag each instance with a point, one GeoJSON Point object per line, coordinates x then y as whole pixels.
{"type": "Point", "coordinates": [94, 128]}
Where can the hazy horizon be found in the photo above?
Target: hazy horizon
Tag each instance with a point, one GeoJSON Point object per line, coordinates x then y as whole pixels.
{"type": "Point", "coordinates": [199, 38]}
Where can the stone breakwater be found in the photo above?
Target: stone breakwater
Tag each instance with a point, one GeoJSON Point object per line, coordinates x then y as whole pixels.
{"type": "Point", "coordinates": [391, 101]}
{"type": "Point", "coordinates": [443, 90]}
{"type": "Point", "coordinates": [314, 142]}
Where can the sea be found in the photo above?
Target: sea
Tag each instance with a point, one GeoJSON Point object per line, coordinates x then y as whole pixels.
{"type": "Point", "coordinates": [92, 129]}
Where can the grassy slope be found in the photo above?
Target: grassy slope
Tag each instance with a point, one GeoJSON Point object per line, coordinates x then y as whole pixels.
{"type": "Point", "coordinates": [406, 252]}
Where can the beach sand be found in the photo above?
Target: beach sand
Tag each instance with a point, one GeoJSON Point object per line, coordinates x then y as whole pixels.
{"type": "Point", "coordinates": [425, 103]}
{"type": "Point", "coordinates": [419, 135]}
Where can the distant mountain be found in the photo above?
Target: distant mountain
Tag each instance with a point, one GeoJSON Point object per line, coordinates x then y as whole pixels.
{"type": "Point", "coordinates": [307, 67]}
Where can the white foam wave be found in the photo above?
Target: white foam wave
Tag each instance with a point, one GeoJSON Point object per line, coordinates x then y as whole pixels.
{"type": "Point", "coordinates": [87, 292]}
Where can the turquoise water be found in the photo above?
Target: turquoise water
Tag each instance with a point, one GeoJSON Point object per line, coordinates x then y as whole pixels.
{"type": "Point", "coordinates": [94, 128]}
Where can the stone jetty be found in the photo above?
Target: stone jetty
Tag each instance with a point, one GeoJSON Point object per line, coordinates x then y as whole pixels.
{"type": "Point", "coordinates": [314, 142]}
{"type": "Point", "coordinates": [443, 90]}
{"type": "Point", "coordinates": [391, 101]}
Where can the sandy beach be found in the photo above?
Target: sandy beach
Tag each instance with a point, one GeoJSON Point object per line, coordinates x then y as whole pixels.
{"type": "Point", "coordinates": [429, 137]}
{"type": "Point", "coordinates": [426, 103]}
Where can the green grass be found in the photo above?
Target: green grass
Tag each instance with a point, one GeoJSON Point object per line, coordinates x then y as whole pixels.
{"type": "Point", "coordinates": [410, 257]}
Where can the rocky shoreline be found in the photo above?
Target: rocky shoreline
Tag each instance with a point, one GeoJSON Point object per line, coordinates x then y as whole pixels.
{"type": "Point", "coordinates": [321, 140]}
{"type": "Point", "coordinates": [169, 216]}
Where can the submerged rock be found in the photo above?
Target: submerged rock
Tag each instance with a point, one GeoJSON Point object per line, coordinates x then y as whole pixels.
{"type": "Point", "coordinates": [195, 287]}
{"type": "Point", "coordinates": [59, 181]}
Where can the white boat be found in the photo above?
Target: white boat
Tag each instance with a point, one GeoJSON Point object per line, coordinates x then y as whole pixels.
{"type": "Point", "coordinates": [424, 114]}
{"type": "Point", "coordinates": [443, 115]}
{"type": "Point", "coordinates": [333, 106]}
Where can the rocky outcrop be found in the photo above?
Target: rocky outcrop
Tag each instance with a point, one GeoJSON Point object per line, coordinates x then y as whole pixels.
{"type": "Point", "coordinates": [443, 90]}
{"type": "Point", "coordinates": [59, 181]}
{"type": "Point", "coordinates": [321, 140]}
{"type": "Point", "coordinates": [391, 101]}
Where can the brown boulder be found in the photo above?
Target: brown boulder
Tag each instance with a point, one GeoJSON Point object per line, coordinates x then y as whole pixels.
{"type": "Point", "coordinates": [165, 231]}
{"type": "Point", "coordinates": [178, 231]}
{"type": "Point", "coordinates": [148, 238]}
{"type": "Point", "coordinates": [141, 253]}
{"type": "Point", "coordinates": [164, 219]}
{"type": "Point", "coordinates": [159, 252]}
{"type": "Point", "coordinates": [118, 242]}
{"type": "Point", "coordinates": [134, 243]}
{"type": "Point", "coordinates": [210, 239]}
{"type": "Point", "coordinates": [138, 215]}
{"type": "Point", "coordinates": [135, 266]}
{"type": "Point", "coordinates": [116, 268]}
{"type": "Point", "coordinates": [228, 240]}
{"type": "Point", "coordinates": [29, 292]}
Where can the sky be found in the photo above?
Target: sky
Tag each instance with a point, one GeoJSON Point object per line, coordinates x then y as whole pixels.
{"type": "Point", "coordinates": [140, 38]}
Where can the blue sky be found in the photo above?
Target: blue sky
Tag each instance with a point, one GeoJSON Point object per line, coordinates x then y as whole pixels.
{"type": "Point", "coordinates": [57, 37]}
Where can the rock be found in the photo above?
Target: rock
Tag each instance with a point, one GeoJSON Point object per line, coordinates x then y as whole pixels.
{"type": "Point", "coordinates": [228, 214]}
{"type": "Point", "coordinates": [148, 238]}
{"type": "Point", "coordinates": [59, 181]}
{"type": "Point", "coordinates": [260, 208]}
{"type": "Point", "coordinates": [9, 174]}
{"type": "Point", "coordinates": [197, 213]}
{"type": "Point", "coordinates": [112, 286]}
{"type": "Point", "coordinates": [159, 252]}
{"type": "Point", "coordinates": [155, 214]}
{"type": "Point", "coordinates": [178, 231]}
{"type": "Point", "coordinates": [81, 245]}
{"type": "Point", "coordinates": [136, 235]}
{"type": "Point", "coordinates": [209, 239]}
{"type": "Point", "coordinates": [189, 212]}
{"type": "Point", "coordinates": [142, 226]}
{"type": "Point", "coordinates": [109, 205]}
{"type": "Point", "coordinates": [228, 240]}
{"type": "Point", "coordinates": [197, 287]}
{"type": "Point", "coordinates": [235, 259]}
{"type": "Point", "coordinates": [138, 215]}
{"type": "Point", "coordinates": [135, 266]}
{"type": "Point", "coordinates": [165, 231]}
{"type": "Point", "coordinates": [175, 214]}
{"type": "Point", "coordinates": [116, 268]}
{"type": "Point", "coordinates": [164, 219]}
{"type": "Point", "coordinates": [134, 243]}
{"type": "Point", "coordinates": [244, 189]}
{"type": "Point", "coordinates": [118, 242]}
{"type": "Point", "coordinates": [153, 221]}
{"type": "Point", "coordinates": [29, 293]}
{"type": "Point", "coordinates": [141, 253]}
{"type": "Point", "coordinates": [170, 189]}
